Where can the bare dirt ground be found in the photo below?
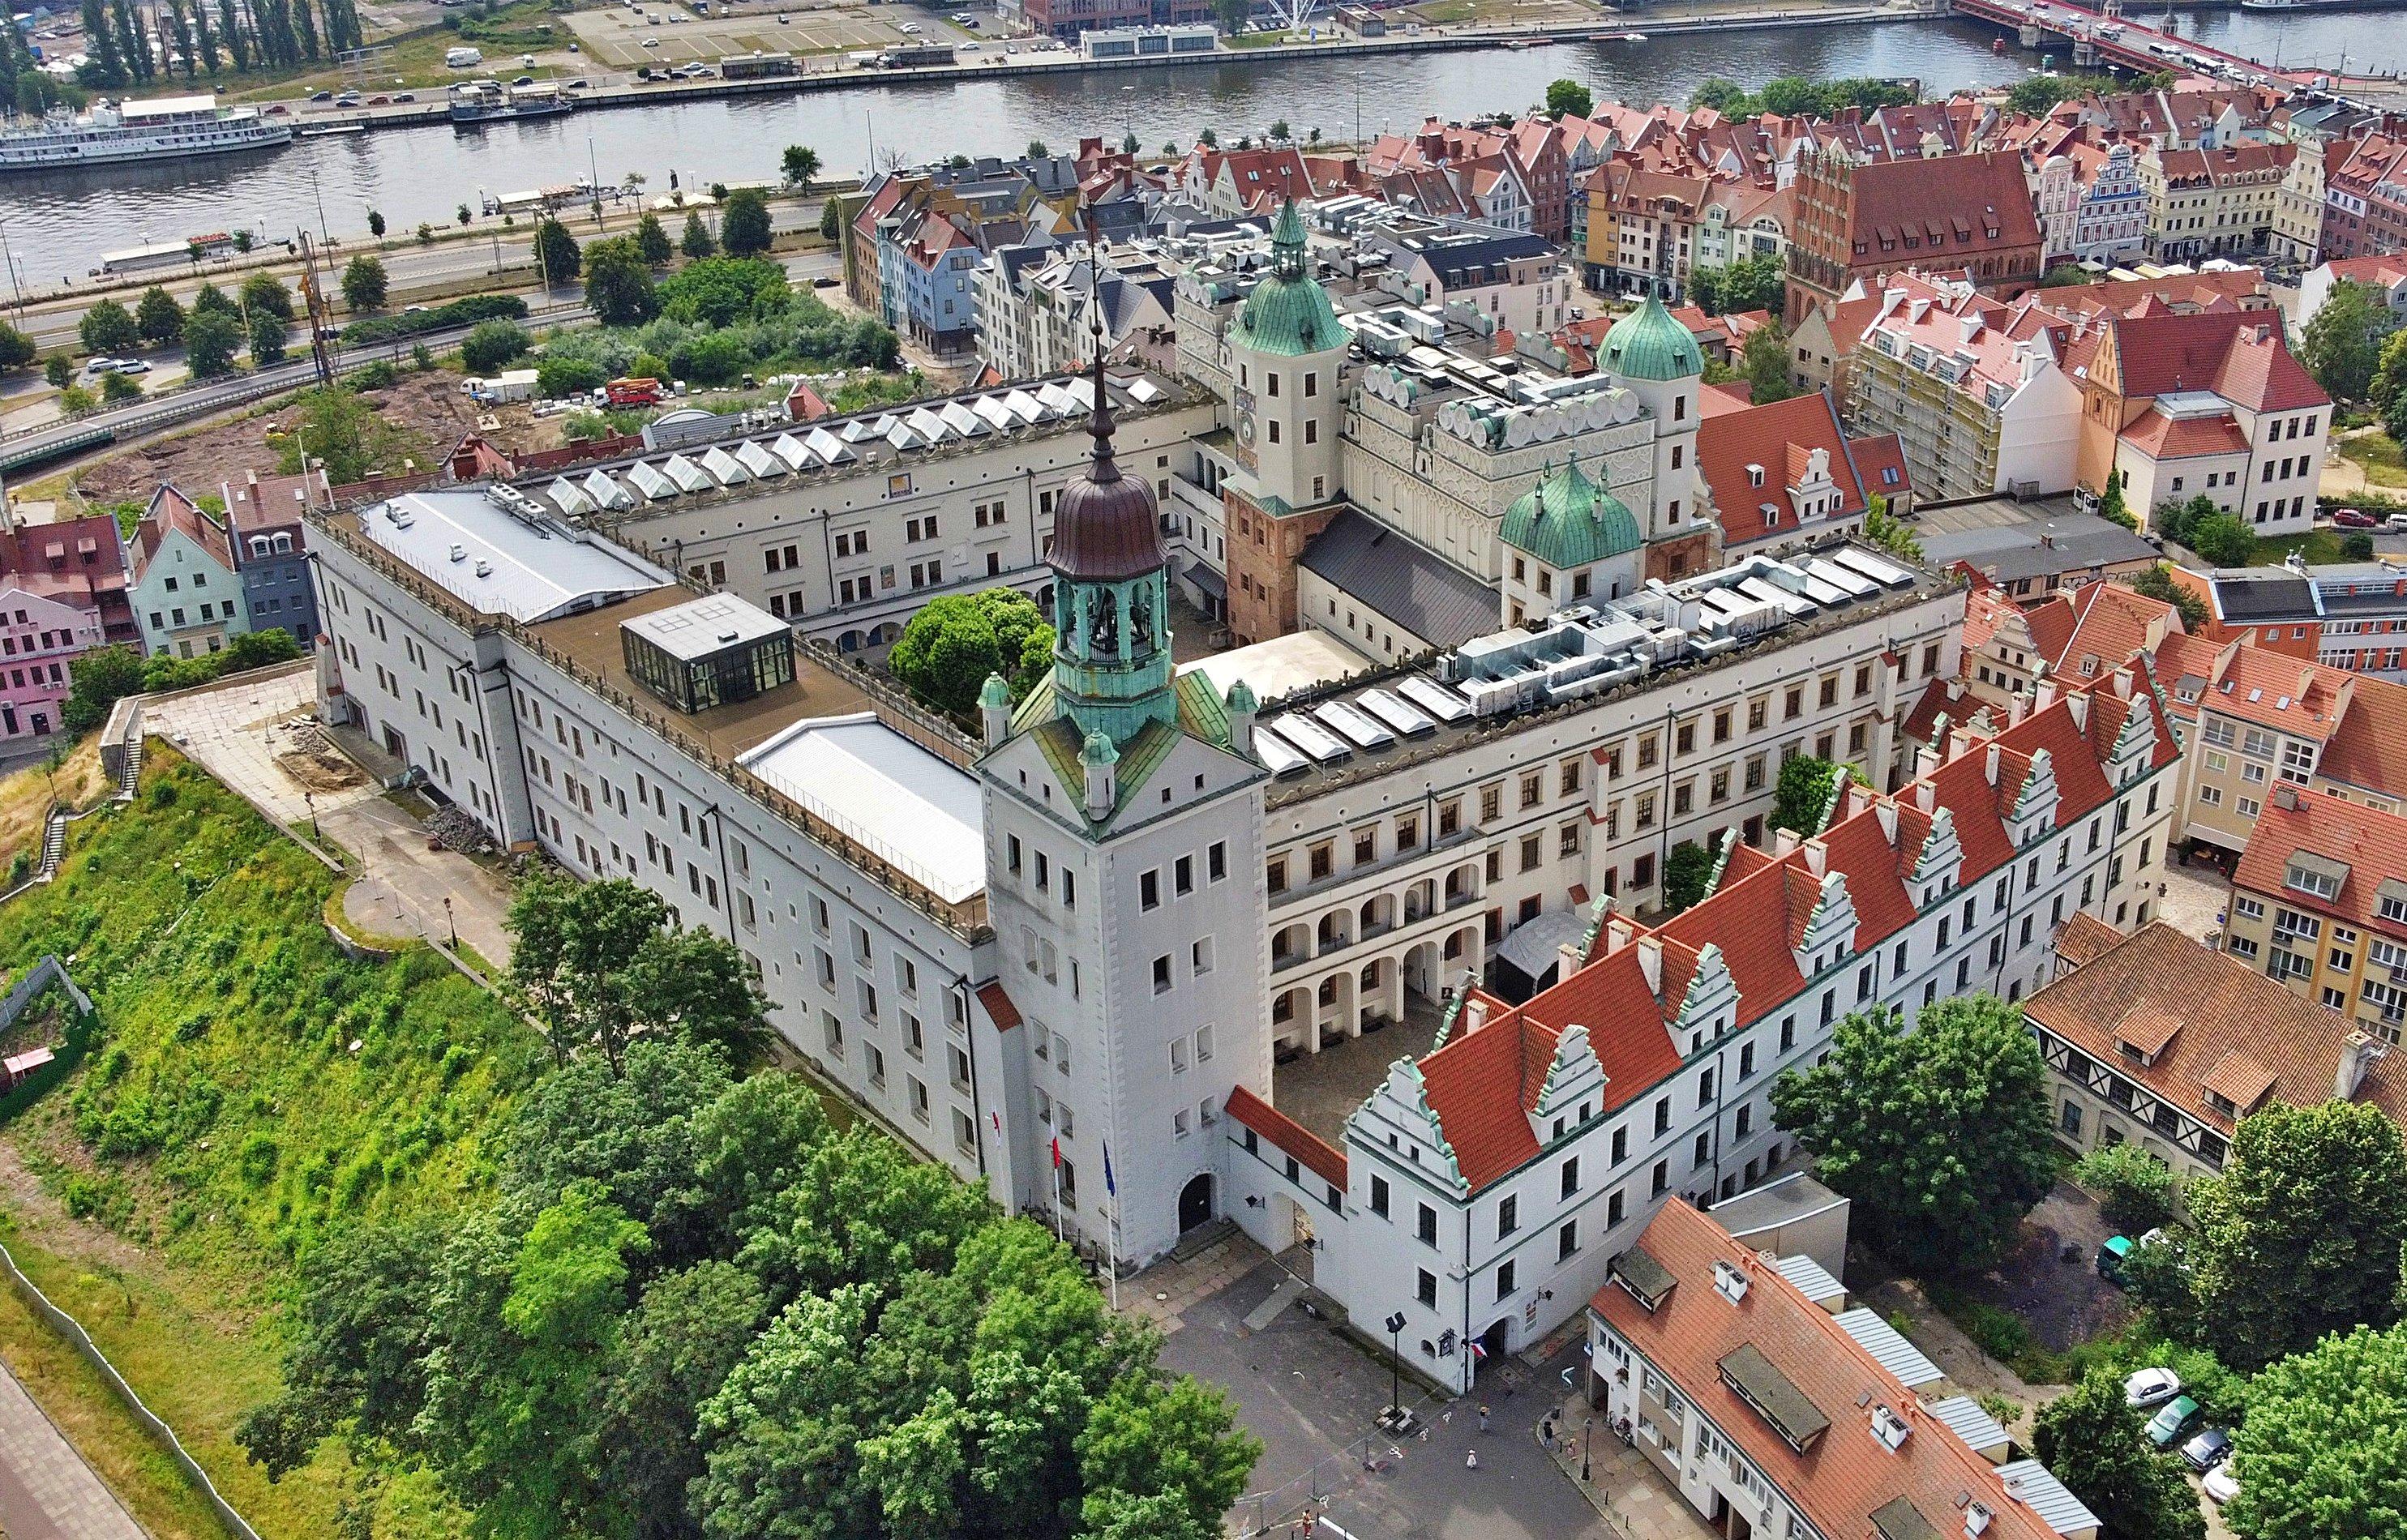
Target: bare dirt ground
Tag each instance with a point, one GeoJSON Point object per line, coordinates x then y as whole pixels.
{"type": "Point", "coordinates": [430, 408]}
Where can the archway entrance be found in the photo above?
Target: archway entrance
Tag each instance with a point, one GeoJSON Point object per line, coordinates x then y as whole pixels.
{"type": "Point", "coordinates": [1195, 1204]}
{"type": "Point", "coordinates": [1492, 1344]}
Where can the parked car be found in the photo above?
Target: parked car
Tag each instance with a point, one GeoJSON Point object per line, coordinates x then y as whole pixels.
{"type": "Point", "coordinates": [2173, 1419]}
{"type": "Point", "coordinates": [2147, 1386]}
{"type": "Point", "coordinates": [651, 42]}
{"type": "Point", "coordinates": [2396, 523]}
{"type": "Point", "coordinates": [2221, 1485]}
{"type": "Point", "coordinates": [2112, 1253]}
{"type": "Point", "coordinates": [99, 363]}
{"type": "Point", "coordinates": [347, 99]}
{"type": "Point", "coordinates": [2352, 518]}
{"type": "Point", "coordinates": [132, 366]}
{"type": "Point", "coordinates": [523, 80]}
{"type": "Point", "coordinates": [580, 83]}
{"type": "Point", "coordinates": [2207, 1450]}
{"type": "Point", "coordinates": [378, 100]}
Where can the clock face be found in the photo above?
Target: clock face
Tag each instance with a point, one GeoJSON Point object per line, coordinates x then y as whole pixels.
{"type": "Point", "coordinates": [1246, 426]}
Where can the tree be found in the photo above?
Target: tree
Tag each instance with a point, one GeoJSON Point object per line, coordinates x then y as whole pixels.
{"type": "Point", "coordinates": [695, 242]}
{"type": "Point", "coordinates": [1129, 141]}
{"type": "Point", "coordinates": [258, 649]}
{"type": "Point", "coordinates": [1891, 534]}
{"type": "Point", "coordinates": [77, 401]}
{"type": "Point", "coordinates": [1803, 793]}
{"type": "Point", "coordinates": [1279, 129]}
{"type": "Point", "coordinates": [261, 295]}
{"type": "Point", "coordinates": [1037, 150]}
{"type": "Point", "coordinates": [58, 372]}
{"type": "Point", "coordinates": [2156, 583]}
{"type": "Point", "coordinates": [1685, 872]}
{"type": "Point", "coordinates": [598, 967]}
{"type": "Point", "coordinates": [652, 241]}
{"type": "Point", "coordinates": [345, 436]}
{"type": "Point", "coordinates": [376, 224]}
{"type": "Point", "coordinates": [744, 227]}
{"type": "Point", "coordinates": [801, 167]}
{"type": "Point", "coordinates": [557, 256]}
{"type": "Point", "coordinates": [555, 378]}
{"type": "Point", "coordinates": [2324, 1456]}
{"type": "Point", "coordinates": [158, 318]}
{"type": "Point", "coordinates": [2064, 275]}
{"type": "Point", "coordinates": [2093, 1443]}
{"type": "Point", "coordinates": [363, 283]}
{"type": "Point", "coordinates": [2302, 1232]}
{"type": "Point", "coordinates": [1751, 283]}
{"type": "Point", "coordinates": [97, 681]}
{"type": "Point", "coordinates": [2112, 506]}
{"type": "Point", "coordinates": [2342, 341]}
{"type": "Point", "coordinates": [1764, 362]}
{"type": "Point", "coordinates": [108, 327]}
{"type": "Point", "coordinates": [1232, 15]}
{"type": "Point", "coordinates": [266, 339]}
{"type": "Point", "coordinates": [2387, 390]}
{"type": "Point", "coordinates": [618, 283]}
{"type": "Point", "coordinates": [211, 297]}
{"type": "Point", "coordinates": [490, 345]}
{"type": "Point", "coordinates": [832, 221]}
{"type": "Point", "coordinates": [1941, 1136]}
{"type": "Point", "coordinates": [116, 389]}
{"type": "Point", "coordinates": [2134, 1189]}
{"type": "Point", "coordinates": [1569, 99]}
{"type": "Point", "coordinates": [948, 648]}
{"type": "Point", "coordinates": [2223, 540]}
{"type": "Point", "coordinates": [16, 348]}
{"type": "Point", "coordinates": [211, 338]}
{"type": "Point", "coordinates": [2356, 545]}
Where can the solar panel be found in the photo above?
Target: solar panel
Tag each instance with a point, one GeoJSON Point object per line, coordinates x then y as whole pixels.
{"type": "Point", "coordinates": [1324, 746]}
{"type": "Point", "coordinates": [1353, 725]}
{"type": "Point", "coordinates": [1446, 704]}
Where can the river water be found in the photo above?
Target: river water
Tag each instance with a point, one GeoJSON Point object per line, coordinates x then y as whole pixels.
{"type": "Point", "coordinates": [57, 225]}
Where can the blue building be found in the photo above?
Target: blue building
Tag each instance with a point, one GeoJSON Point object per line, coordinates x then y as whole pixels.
{"type": "Point", "coordinates": [271, 550]}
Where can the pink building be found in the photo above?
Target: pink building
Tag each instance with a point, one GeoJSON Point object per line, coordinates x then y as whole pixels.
{"type": "Point", "coordinates": [62, 593]}
{"type": "Point", "coordinates": [38, 637]}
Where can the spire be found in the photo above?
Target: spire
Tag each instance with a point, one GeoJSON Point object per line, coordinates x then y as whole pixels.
{"type": "Point", "coordinates": [1286, 243]}
{"type": "Point", "coordinates": [1099, 423]}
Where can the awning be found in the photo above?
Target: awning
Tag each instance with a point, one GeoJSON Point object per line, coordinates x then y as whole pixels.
{"type": "Point", "coordinates": [1205, 579]}
{"type": "Point", "coordinates": [1533, 945]}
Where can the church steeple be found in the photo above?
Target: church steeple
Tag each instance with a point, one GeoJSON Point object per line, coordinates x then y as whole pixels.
{"type": "Point", "coordinates": [1112, 667]}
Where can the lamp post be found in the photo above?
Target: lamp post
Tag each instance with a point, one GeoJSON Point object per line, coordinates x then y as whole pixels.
{"type": "Point", "coordinates": [311, 803]}
{"type": "Point", "coordinates": [448, 923]}
{"type": "Point", "coordinates": [1588, 1445]}
{"type": "Point", "coordinates": [1395, 1366]}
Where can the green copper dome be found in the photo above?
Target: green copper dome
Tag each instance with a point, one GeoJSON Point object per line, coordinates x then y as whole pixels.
{"type": "Point", "coordinates": [1288, 313]}
{"type": "Point", "coordinates": [1649, 345]}
{"type": "Point", "coordinates": [994, 694]}
{"type": "Point", "coordinates": [1567, 521]}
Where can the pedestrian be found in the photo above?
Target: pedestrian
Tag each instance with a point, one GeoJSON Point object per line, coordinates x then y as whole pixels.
{"type": "Point", "coordinates": [1470, 1459]}
{"type": "Point", "coordinates": [1483, 1416]}
{"type": "Point", "coordinates": [1547, 1432]}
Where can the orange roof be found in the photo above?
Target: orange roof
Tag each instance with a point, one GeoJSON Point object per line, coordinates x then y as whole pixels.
{"type": "Point", "coordinates": [2161, 437]}
{"type": "Point", "coordinates": [1844, 1473]}
{"type": "Point", "coordinates": [1482, 1087]}
{"type": "Point", "coordinates": [1773, 437]}
{"type": "Point", "coordinates": [2372, 845]}
{"type": "Point", "coordinates": [999, 1007]}
{"type": "Point", "coordinates": [2368, 749]}
{"type": "Point", "coordinates": [1312, 1151]}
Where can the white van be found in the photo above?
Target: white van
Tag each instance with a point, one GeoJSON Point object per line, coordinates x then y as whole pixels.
{"type": "Point", "coordinates": [463, 58]}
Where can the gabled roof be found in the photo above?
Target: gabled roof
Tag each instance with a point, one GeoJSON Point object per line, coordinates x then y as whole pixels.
{"type": "Point", "coordinates": [1313, 1153]}
{"type": "Point", "coordinates": [1765, 436]}
{"type": "Point", "coordinates": [1786, 1382]}
{"type": "Point", "coordinates": [1407, 583]}
{"type": "Point", "coordinates": [2369, 847]}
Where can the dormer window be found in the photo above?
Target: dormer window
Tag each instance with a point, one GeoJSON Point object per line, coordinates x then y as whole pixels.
{"type": "Point", "coordinates": [2314, 875]}
{"type": "Point", "coordinates": [1755, 475]}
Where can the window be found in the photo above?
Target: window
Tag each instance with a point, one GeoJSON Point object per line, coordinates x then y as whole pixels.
{"type": "Point", "coordinates": [1567, 1241]}
{"type": "Point", "coordinates": [1379, 1196]}
{"type": "Point", "coordinates": [1428, 1225]}
{"type": "Point", "coordinates": [1504, 1280]}
{"type": "Point", "coordinates": [1425, 1289]}
{"type": "Point", "coordinates": [1162, 974]}
{"type": "Point", "coordinates": [1571, 1179]}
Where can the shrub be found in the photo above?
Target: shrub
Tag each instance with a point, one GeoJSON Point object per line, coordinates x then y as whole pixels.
{"type": "Point", "coordinates": [2134, 1189]}
{"type": "Point", "coordinates": [490, 345]}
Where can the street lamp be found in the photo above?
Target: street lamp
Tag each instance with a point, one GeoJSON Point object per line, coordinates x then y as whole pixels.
{"type": "Point", "coordinates": [449, 923]}
{"type": "Point", "coordinates": [1588, 1445]}
{"type": "Point", "coordinates": [1395, 1366]}
{"type": "Point", "coordinates": [307, 801]}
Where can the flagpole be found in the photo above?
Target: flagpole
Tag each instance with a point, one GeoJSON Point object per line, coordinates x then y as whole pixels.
{"type": "Point", "coordinates": [1058, 1234]}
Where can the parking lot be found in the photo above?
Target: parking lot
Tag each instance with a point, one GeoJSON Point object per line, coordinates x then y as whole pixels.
{"type": "Point", "coordinates": [615, 37]}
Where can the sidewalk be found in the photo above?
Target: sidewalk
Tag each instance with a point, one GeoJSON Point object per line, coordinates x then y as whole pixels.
{"type": "Point", "coordinates": [47, 1493]}
{"type": "Point", "coordinates": [1635, 1500]}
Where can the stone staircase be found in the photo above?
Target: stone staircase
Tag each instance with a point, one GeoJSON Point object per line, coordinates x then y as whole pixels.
{"type": "Point", "coordinates": [132, 777]}
{"type": "Point", "coordinates": [54, 844]}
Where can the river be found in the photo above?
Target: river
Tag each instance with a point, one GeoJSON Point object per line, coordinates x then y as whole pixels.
{"type": "Point", "coordinates": [58, 224]}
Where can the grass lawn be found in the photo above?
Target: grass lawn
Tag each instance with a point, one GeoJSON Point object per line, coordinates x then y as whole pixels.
{"type": "Point", "coordinates": [2319, 547]}
{"type": "Point", "coordinates": [252, 1089]}
{"type": "Point", "coordinates": [25, 796]}
{"type": "Point", "coordinates": [417, 58]}
{"type": "Point", "coordinates": [2378, 456]}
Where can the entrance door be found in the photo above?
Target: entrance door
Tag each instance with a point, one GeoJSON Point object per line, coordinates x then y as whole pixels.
{"type": "Point", "coordinates": [1194, 1204]}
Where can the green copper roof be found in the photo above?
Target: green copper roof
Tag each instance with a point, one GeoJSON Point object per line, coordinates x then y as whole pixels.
{"type": "Point", "coordinates": [1288, 313]}
{"type": "Point", "coordinates": [1239, 698]}
{"type": "Point", "coordinates": [1649, 345]}
{"type": "Point", "coordinates": [1567, 521]}
{"type": "Point", "coordinates": [994, 693]}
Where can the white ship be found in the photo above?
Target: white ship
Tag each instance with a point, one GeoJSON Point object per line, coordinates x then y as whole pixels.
{"type": "Point", "coordinates": [164, 129]}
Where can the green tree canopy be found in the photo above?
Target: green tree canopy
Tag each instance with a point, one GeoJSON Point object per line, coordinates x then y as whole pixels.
{"type": "Point", "coordinates": [2093, 1443]}
{"type": "Point", "coordinates": [1763, 359]}
{"type": "Point", "coordinates": [618, 283]}
{"type": "Point", "coordinates": [2223, 540]}
{"type": "Point", "coordinates": [801, 163]}
{"type": "Point", "coordinates": [1685, 872]}
{"type": "Point", "coordinates": [2134, 1189]}
{"type": "Point", "coordinates": [262, 292]}
{"type": "Point", "coordinates": [16, 348]}
{"type": "Point", "coordinates": [211, 338]}
{"type": "Point", "coordinates": [97, 681]}
{"type": "Point", "coordinates": [363, 283]}
{"type": "Point", "coordinates": [2324, 1456]}
{"type": "Point", "coordinates": [1750, 282]}
{"type": "Point", "coordinates": [719, 290]}
{"type": "Point", "coordinates": [211, 297]}
{"type": "Point", "coordinates": [743, 226]}
{"type": "Point", "coordinates": [557, 255]}
{"type": "Point", "coordinates": [1940, 1136]}
{"type": "Point", "coordinates": [158, 318]}
{"type": "Point", "coordinates": [343, 435]}
{"type": "Point", "coordinates": [695, 240]}
{"type": "Point", "coordinates": [2303, 1234]}
{"type": "Point", "coordinates": [2113, 506]}
{"type": "Point", "coordinates": [267, 338]}
{"type": "Point", "coordinates": [652, 241]}
{"type": "Point", "coordinates": [2341, 343]}
{"type": "Point", "coordinates": [948, 648]}
{"type": "Point", "coordinates": [1803, 793]}
{"type": "Point", "coordinates": [493, 346]}
{"type": "Point", "coordinates": [1569, 99]}
{"type": "Point", "coordinates": [2387, 391]}
{"type": "Point", "coordinates": [108, 327]}
{"type": "Point", "coordinates": [2064, 275]}
{"type": "Point", "coordinates": [598, 966]}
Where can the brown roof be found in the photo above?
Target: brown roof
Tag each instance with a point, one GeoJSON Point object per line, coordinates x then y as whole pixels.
{"type": "Point", "coordinates": [1773, 1372]}
{"type": "Point", "coordinates": [2084, 937]}
{"type": "Point", "coordinates": [999, 1007]}
{"type": "Point", "coordinates": [1106, 527]}
{"type": "Point", "coordinates": [1773, 436]}
{"type": "Point", "coordinates": [1958, 207]}
{"type": "Point", "coordinates": [2368, 749]}
{"type": "Point", "coordinates": [2225, 1007]}
{"type": "Point", "coordinates": [2372, 845]}
{"type": "Point", "coordinates": [1315, 1154]}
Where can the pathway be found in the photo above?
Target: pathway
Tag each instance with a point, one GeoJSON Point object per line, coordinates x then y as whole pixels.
{"type": "Point", "coordinates": [47, 1493]}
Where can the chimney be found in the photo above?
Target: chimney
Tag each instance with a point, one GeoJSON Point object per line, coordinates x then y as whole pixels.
{"type": "Point", "coordinates": [1650, 963]}
{"type": "Point", "coordinates": [2356, 1056]}
{"type": "Point", "coordinates": [1818, 856]}
{"type": "Point", "coordinates": [1926, 797]}
{"type": "Point", "coordinates": [1783, 841]}
{"type": "Point", "coordinates": [2286, 797]}
{"type": "Point", "coordinates": [1618, 933]}
{"type": "Point", "coordinates": [1990, 765]}
{"type": "Point", "coordinates": [1474, 1014]}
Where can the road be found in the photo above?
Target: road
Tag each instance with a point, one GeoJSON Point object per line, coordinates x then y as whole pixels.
{"type": "Point", "coordinates": [46, 1491]}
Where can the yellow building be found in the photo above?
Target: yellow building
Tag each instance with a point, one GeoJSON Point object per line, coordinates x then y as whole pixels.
{"type": "Point", "coordinates": [2319, 902]}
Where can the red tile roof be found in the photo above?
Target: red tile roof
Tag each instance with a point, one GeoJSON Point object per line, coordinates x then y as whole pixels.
{"type": "Point", "coordinates": [2372, 845]}
{"type": "Point", "coordinates": [1880, 466]}
{"type": "Point", "coordinates": [2162, 437]}
{"type": "Point", "coordinates": [2368, 749]}
{"type": "Point", "coordinates": [999, 1007]}
{"type": "Point", "coordinates": [1482, 1085]}
{"type": "Point", "coordinates": [1772, 437]}
{"type": "Point", "coordinates": [1291, 1138]}
{"type": "Point", "coordinates": [2239, 355]}
{"type": "Point", "coordinates": [1845, 1472]}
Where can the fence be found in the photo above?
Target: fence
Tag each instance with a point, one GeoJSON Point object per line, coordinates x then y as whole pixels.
{"type": "Point", "coordinates": [68, 1327]}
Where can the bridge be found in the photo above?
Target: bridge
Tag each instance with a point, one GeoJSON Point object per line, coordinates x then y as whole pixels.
{"type": "Point", "coordinates": [2098, 37]}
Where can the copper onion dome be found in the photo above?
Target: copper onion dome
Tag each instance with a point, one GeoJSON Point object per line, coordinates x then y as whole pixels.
{"type": "Point", "coordinates": [1106, 526]}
